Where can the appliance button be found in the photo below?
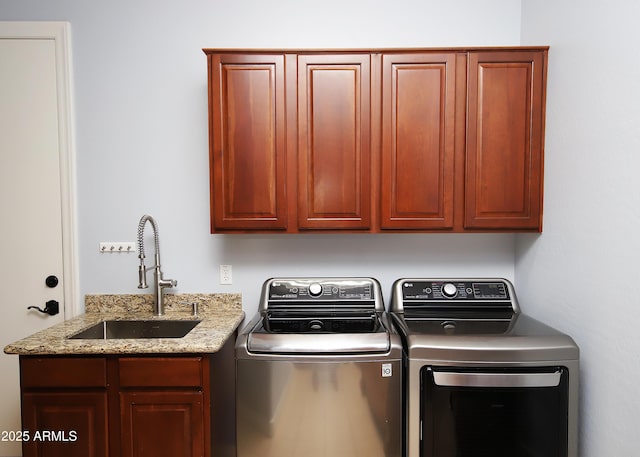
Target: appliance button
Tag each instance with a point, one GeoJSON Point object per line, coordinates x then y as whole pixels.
{"type": "Point", "coordinates": [449, 290]}
{"type": "Point", "coordinates": [315, 289]}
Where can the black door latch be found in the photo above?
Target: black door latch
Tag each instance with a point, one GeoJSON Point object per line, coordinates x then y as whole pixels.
{"type": "Point", "coordinates": [52, 307]}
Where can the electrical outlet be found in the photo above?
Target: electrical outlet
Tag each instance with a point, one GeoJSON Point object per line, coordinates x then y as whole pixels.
{"type": "Point", "coordinates": [116, 246]}
{"type": "Point", "coordinates": [226, 276]}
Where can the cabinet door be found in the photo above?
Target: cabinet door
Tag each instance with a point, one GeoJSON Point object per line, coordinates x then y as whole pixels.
{"type": "Point", "coordinates": [418, 128]}
{"type": "Point", "coordinates": [334, 146]}
{"type": "Point", "coordinates": [247, 154]}
{"type": "Point", "coordinates": [503, 181]}
{"type": "Point", "coordinates": [65, 424]}
{"type": "Point", "coordinates": [162, 423]}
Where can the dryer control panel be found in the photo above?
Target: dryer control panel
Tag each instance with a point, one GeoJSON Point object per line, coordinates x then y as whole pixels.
{"type": "Point", "coordinates": [454, 293]}
{"type": "Point", "coordinates": [459, 290]}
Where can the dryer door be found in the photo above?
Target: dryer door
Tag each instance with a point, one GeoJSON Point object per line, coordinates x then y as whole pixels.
{"type": "Point", "coordinates": [494, 412]}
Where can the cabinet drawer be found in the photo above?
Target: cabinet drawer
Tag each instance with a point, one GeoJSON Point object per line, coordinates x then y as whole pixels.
{"type": "Point", "coordinates": [161, 371]}
{"type": "Point", "coordinates": [63, 372]}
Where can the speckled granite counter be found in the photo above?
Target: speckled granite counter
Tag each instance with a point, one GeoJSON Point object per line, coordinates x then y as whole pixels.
{"type": "Point", "coordinates": [220, 316]}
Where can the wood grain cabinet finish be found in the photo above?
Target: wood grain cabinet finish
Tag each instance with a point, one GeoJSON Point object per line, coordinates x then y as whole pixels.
{"type": "Point", "coordinates": [162, 423]}
{"type": "Point", "coordinates": [248, 149]}
{"type": "Point", "coordinates": [70, 424]}
{"type": "Point", "coordinates": [446, 140]}
{"type": "Point", "coordinates": [504, 160]}
{"type": "Point", "coordinates": [418, 128]}
{"type": "Point", "coordinates": [162, 406]}
{"type": "Point", "coordinates": [65, 407]}
{"type": "Point", "coordinates": [334, 153]}
{"type": "Point", "coordinates": [130, 406]}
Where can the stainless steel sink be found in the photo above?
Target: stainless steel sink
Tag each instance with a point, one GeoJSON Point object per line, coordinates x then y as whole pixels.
{"type": "Point", "coordinates": [114, 329]}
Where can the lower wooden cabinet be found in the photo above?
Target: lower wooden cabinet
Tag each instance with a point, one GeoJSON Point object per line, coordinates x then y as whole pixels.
{"type": "Point", "coordinates": [142, 406]}
{"type": "Point", "coordinates": [64, 406]}
{"type": "Point", "coordinates": [71, 424]}
{"type": "Point", "coordinates": [162, 406]}
{"type": "Point", "coordinates": [162, 423]}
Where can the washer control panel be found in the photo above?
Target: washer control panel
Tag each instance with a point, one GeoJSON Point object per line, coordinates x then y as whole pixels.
{"type": "Point", "coordinates": [321, 294]}
{"type": "Point", "coordinates": [321, 289]}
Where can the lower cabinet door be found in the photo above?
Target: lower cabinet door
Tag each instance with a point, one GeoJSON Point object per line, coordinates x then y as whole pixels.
{"type": "Point", "coordinates": [162, 424]}
{"type": "Point", "coordinates": [64, 424]}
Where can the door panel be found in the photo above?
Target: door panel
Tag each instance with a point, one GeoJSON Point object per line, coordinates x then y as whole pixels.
{"type": "Point", "coordinates": [511, 419]}
{"type": "Point", "coordinates": [66, 424]}
{"type": "Point", "coordinates": [249, 146]}
{"type": "Point", "coordinates": [35, 193]}
{"type": "Point", "coordinates": [162, 423]}
{"type": "Point", "coordinates": [504, 140]}
{"type": "Point", "coordinates": [418, 108]}
{"type": "Point", "coordinates": [334, 141]}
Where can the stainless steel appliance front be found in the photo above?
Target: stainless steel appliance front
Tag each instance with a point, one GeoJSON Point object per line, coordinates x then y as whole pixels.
{"type": "Point", "coordinates": [482, 378]}
{"type": "Point", "coordinates": [317, 388]}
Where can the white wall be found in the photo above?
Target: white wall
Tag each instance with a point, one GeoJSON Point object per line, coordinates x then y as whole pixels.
{"type": "Point", "coordinates": [141, 128]}
{"type": "Point", "coordinates": [582, 274]}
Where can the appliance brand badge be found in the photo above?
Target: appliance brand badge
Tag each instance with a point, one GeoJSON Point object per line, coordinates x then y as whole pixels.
{"type": "Point", "coordinates": [387, 370]}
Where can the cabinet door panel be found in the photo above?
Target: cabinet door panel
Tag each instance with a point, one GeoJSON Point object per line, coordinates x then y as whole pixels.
{"type": "Point", "coordinates": [504, 140]}
{"type": "Point", "coordinates": [247, 102]}
{"type": "Point", "coordinates": [418, 109]}
{"type": "Point", "coordinates": [65, 424]}
{"type": "Point", "coordinates": [162, 423]}
{"type": "Point", "coordinates": [334, 141]}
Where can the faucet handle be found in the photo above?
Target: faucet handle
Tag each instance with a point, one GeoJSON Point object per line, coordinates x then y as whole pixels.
{"type": "Point", "coordinates": [167, 283]}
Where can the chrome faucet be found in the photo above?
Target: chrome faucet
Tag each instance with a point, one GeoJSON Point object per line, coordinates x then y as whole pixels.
{"type": "Point", "coordinates": [159, 282]}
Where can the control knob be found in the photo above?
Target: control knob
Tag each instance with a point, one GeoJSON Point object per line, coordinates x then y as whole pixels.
{"type": "Point", "coordinates": [449, 290]}
{"type": "Point", "coordinates": [315, 289]}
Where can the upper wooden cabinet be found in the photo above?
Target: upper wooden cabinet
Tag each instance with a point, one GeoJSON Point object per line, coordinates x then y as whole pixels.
{"type": "Point", "coordinates": [248, 141]}
{"type": "Point", "coordinates": [506, 93]}
{"type": "Point", "coordinates": [418, 135]}
{"type": "Point", "coordinates": [334, 136]}
{"type": "Point", "coordinates": [446, 140]}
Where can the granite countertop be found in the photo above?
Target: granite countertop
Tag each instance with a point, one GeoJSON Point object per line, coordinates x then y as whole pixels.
{"type": "Point", "coordinates": [220, 316]}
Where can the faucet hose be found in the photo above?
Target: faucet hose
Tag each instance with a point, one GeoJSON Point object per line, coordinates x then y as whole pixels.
{"type": "Point", "coordinates": [154, 226]}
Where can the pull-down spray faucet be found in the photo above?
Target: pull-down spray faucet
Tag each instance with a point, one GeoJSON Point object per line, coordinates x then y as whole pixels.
{"type": "Point", "coordinates": [159, 282]}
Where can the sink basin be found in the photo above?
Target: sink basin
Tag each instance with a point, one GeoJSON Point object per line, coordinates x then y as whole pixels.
{"type": "Point", "coordinates": [113, 329]}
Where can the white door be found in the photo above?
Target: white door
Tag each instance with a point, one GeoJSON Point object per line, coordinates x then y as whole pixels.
{"type": "Point", "coordinates": [36, 233]}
